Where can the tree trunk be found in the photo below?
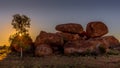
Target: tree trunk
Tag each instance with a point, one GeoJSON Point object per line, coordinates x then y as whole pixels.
{"type": "Point", "coordinates": [21, 53]}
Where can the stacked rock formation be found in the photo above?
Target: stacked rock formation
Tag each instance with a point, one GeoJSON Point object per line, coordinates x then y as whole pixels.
{"type": "Point", "coordinates": [70, 38]}
{"type": "Point", "coordinates": [47, 43]}
{"type": "Point", "coordinates": [70, 31]}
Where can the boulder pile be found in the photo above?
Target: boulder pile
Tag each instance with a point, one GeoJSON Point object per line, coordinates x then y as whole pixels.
{"type": "Point", "coordinates": [71, 38]}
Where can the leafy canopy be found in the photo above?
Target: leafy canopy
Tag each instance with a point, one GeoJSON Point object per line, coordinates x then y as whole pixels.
{"type": "Point", "coordinates": [21, 38]}
{"type": "Point", "coordinates": [21, 23]}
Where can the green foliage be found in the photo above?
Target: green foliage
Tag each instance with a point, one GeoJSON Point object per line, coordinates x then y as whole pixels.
{"type": "Point", "coordinates": [88, 52]}
{"type": "Point", "coordinates": [4, 51]}
{"type": "Point", "coordinates": [22, 42]}
{"type": "Point", "coordinates": [113, 52]}
{"type": "Point", "coordinates": [102, 49]}
{"type": "Point", "coordinates": [11, 38]}
{"type": "Point", "coordinates": [21, 38]}
{"type": "Point", "coordinates": [21, 23]}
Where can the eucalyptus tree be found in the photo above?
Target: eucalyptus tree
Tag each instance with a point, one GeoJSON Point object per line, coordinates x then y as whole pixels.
{"type": "Point", "coordinates": [20, 23]}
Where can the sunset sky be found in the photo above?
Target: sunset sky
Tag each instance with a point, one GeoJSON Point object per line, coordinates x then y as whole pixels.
{"type": "Point", "coordinates": [46, 14]}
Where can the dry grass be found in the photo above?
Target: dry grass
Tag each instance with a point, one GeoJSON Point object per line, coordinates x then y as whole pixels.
{"type": "Point", "coordinates": [60, 61]}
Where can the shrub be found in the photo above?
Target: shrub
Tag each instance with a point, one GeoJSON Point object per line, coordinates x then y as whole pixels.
{"type": "Point", "coordinates": [18, 42]}
{"type": "Point", "coordinates": [102, 49]}
{"type": "Point", "coordinates": [113, 52]}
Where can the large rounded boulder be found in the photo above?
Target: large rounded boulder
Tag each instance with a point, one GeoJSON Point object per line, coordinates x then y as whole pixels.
{"type": "Point", "coordinates": [76, 47]}
{"type": "Point", "coordinates": [43, 50]}
{"type": "Point", "coordinates": [69, 37]}
{"type": "Point", "coordinates": [107, 41]}
{"type": "Point", "coordinates": [91, 46]}
{"type": "Point", "coordinates": [110, 41]}
{"type": "Point", "coordinates": [48, 38]}
{"type": "Point", "coordinates": [70, 28]}
{"type": "Point", "coordinates": [96, 29]}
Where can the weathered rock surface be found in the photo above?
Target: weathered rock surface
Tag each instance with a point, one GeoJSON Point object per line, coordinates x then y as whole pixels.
{"type": "Point", "coordinates": [48, 38]}
{"type": "Point", "coordinates": [110, 41]}
{"type": "Point", "coordinates": [69, 37]}
{"type": "Point", "coordinates": [96, 29]}
{"type": "Point", "coordinates": [70, 28]}
{"type": "Point", "coordinates": [107, 41]}
{"type": "Point", "coordinates": [92, 45]}
{"type": "Point", "coordinates": [82, 46]}
{"type": "Point", "coordinates": [43, 50]}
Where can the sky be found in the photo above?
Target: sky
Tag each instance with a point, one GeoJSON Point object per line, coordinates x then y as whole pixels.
{"type": "Point", "coordinates": [46, 14]}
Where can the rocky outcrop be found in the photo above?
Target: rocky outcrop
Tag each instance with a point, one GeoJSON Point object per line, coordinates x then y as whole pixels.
{"type": "Point", "coordinates": [107, 41]}
{"type": "Point", "coordinates": [91, 46]}
{"type": "Point", "coordinates": [43, 50]}
{"type": "Point", "coordinates": [96, 29]}
{"type": "Point", "coordinates": [54, 41]}
{"type": "Point", "coordinates": [70, 28]}
{"type": "Point", "coordinates": [69, 37]}
{"type": "Point", "coordinates": [110, 41]}
{"type": "Point", "coordinates": [48, 38]}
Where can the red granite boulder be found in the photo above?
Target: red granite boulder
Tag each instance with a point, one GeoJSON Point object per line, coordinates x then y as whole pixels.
{"type": "Point", "coordinates": [48, 38]}
{"type": "Point", "coordinates": [110, 42]}
{"type": "Point", "coordinates": [69, 36]}
{"type": "Point", "coordinates": [93, 45]}
{"type": "Point", "coordinates": [43, 50]}
{"type": "Point", "coordinates": [70, 28]}
{"type": "Point", "coordinates": [83, 46]}
{"type": "Point", "coordinates": [96, 29]}
{"type": "Point", "coordinates": [107, 41]}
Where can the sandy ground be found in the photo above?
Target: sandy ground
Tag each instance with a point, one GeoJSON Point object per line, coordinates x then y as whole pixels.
{"type": "Point", "coordinates": [13, 60]}
{"type": "Point", "coordinates": [61, 62]}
